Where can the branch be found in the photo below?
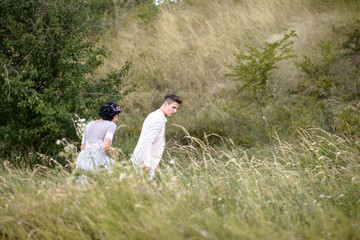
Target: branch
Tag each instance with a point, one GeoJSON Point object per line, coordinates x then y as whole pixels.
{"type": "Point", "coordinates": [7, 78]}
{"type": "Point", "coordinates": [31, 51]}
{"type": "Point", "coordinates": [88, 93]}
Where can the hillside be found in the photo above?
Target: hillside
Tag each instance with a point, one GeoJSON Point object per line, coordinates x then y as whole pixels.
{"type": "Point", "coordinates": [184, 48]}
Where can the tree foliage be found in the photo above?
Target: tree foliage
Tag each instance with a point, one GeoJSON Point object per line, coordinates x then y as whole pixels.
{"type": "Point", "coordinates": [48, 57]}
{"type": "Point", "coordinates": [254, 69]}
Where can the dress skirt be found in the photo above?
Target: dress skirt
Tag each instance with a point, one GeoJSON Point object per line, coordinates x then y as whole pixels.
{"type": "Point", "coordinates": [93, 157]}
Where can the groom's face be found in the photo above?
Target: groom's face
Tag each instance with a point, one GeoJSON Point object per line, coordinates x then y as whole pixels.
{"type": "Point", "coordinates": [170, 108]}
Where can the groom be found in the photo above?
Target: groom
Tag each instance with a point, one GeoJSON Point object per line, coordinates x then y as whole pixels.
{"type": "Point", "coordinates": [151, 144]}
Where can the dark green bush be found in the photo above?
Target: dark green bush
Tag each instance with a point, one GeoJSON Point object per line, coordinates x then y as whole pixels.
{"type": "Point", "coordinates": [48, 55]}
{"type": "Point", "coordinates": [332, 84]}
{"type": "Point", "coordinates": [320, 74]}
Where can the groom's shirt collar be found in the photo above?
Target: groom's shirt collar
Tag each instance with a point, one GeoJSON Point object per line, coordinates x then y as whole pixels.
{"type": "Point", "coordinates": [162, 115]}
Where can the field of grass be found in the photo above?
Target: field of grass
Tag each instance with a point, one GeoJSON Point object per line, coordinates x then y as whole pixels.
{"type": "Point", "coordinates": [304, 185]}
{"type": "Point", "coordinates": [304, 190]}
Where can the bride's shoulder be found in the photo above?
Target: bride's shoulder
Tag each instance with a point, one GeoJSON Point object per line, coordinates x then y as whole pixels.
{"type": "Point", "coordinates": [111, 123]}
{"type": "Point", "coordinates": [90, 123]}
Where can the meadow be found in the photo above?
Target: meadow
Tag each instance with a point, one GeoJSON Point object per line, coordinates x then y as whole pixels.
{"type": "Point", "coordinates": [220, 178]}
{"type": "Point", "coordinates": [306, 190]}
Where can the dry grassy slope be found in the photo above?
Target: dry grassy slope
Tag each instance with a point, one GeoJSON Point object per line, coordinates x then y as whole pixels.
{"type": "Point", "coordinates": [185, 49]}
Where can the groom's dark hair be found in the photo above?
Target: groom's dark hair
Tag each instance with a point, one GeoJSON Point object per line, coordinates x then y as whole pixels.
{"type": "Point", "coordinates": [170, 97]}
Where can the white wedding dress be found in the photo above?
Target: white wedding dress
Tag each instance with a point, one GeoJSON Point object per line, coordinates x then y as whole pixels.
{"type": "Point", "coordinates": [93, 156]}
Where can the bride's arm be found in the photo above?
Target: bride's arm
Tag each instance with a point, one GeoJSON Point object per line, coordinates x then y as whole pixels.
{"type": "Point", "coordinates": [108, 138]}
{"type": "Point", "coordinates": [83, 140]}
{"type": "Point", "coordinates": [107, 146]}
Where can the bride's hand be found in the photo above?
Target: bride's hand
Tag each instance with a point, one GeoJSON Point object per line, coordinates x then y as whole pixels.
{"type": "Point", "coordinates": [109, 152]}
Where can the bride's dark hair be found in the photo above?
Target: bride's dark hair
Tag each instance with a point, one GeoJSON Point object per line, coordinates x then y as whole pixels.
{"type": "Point", "coordinates": [109, 110]}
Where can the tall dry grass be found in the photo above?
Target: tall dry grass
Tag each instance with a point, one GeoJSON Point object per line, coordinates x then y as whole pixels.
{"type": "Point", "coordinates": [308, 190]}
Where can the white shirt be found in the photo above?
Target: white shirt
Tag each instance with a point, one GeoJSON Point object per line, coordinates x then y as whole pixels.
{"type": "Point", "coordinates": [151, 144]}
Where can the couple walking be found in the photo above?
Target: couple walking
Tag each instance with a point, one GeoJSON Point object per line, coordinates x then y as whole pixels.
{"type": "Point", "coordinates": [98, 135]}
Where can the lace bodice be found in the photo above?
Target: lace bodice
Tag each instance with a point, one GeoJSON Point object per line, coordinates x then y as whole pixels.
{"type": "Point", "coordinates": [96, 132]}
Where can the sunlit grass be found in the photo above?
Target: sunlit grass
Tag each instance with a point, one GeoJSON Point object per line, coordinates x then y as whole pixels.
{"type": "Point", "coordinates": [288, 191]}
{"type": "Point", "coordinates": [185, 47]}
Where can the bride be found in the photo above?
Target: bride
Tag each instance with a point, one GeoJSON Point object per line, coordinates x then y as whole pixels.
{"type": "Point", "coordinates": [97, 138]}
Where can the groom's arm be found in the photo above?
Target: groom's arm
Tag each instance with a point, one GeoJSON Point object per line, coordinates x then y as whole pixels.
{"type": "Point", "coordinates": [153, 132]}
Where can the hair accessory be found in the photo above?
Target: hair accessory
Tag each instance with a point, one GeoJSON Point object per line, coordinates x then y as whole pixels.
{"type": "Point", "coordinates": [115, 109]}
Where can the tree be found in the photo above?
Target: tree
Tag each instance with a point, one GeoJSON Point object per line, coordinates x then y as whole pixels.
{"type": "Point", "coordinates": [254, 69]}
{"type": "Point", "coordinates": [48, 58]}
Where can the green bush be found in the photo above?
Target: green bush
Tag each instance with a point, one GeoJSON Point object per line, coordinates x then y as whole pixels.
{"type": "Point", "coordinates": [332, 85]}
{"type": "Point", "coordinates": [48, 57]}
{"type": "Point", "coordinates": [253, 72]}
{"type": "Point", "coordinates": [320, 75]}
{"type": "Point", "coordinates": [351, 64]}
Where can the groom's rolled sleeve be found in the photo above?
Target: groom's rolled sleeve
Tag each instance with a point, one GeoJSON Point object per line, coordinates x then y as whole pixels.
{"type": "Point", "coordinates": [153, 132]}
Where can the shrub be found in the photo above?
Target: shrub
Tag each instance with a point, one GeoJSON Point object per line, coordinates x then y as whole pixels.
{"type": "Point", "coordinates": [320, 77]}
{"type": "Point", "coordinates": [48, 59]}
{"type": "Point", "coordinates": [253, 72]}
{"type": "Point", "coordinates": [332, 81]}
